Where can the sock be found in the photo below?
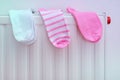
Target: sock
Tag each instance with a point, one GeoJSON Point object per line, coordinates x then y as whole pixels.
{"type": "Point", "coordinates": [88, 24]}
{"type": "Point", "coordinates": [23, 26]}
{"type": "Point", "coordinates": [56, 27]}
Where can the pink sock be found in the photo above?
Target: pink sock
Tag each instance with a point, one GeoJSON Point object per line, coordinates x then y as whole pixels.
{"type": "Point", "coordinates": [88, 23]}
{"type": "Point", "coordinates": [56, 28]}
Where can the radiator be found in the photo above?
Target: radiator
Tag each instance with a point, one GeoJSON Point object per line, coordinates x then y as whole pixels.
{"type": "Point", "coordinates": [81, 60]}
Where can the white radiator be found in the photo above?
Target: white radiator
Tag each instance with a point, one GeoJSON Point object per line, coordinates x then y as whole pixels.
{"type": "Point", "coordinates": [81, 60]}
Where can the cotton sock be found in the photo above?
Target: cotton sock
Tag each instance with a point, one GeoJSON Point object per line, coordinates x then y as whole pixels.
{"type": "Point", "coordinates": [88, 23]}
{"type": "Point", "coordinates": [56, 27]}
{"type": "Point", "coordinates": [23, 26]}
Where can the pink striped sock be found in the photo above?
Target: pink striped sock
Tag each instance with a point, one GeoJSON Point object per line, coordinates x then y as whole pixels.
{"type": "Point", "coordinates": [56, 28]}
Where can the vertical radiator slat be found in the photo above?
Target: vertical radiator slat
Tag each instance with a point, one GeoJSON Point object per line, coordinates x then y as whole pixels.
{"type": "Point", "coordinates": [48, 61]}
{"type": "Point", "coordinates": [35, 57]}
{"type": "Point", "coordinates": [9, 54]}
{"type": "Point", "coordinates": [21, 62]}
{"type": "Point", "coordinates": [1, 52]}
{"type": "Point", "coordinates": [75, 54]}
{"type": "Point", "coordinates": [100, 53]}
{"type": "Point", "coordinates": [61, 64]}
{"type": "Point", "coordinates": [87, 60]}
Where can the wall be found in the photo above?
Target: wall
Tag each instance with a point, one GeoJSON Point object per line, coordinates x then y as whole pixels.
{"type": "Point", "coordinates": [110, 6]}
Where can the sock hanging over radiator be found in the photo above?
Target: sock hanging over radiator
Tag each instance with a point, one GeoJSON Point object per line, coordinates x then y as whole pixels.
{"type": "Point", "coordinates": [23, 26]}
{"type": "Point", "coordinates": [56, 27]}
{"type": "Point", "coordinates": [88, 23]}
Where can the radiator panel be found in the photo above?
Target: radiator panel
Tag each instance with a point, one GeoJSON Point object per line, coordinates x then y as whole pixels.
{"type": "Point", "coordinates": [81, 60]}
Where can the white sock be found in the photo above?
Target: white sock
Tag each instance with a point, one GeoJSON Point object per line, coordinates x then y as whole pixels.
{"type": "Point", "coordinates": [23, 26]}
